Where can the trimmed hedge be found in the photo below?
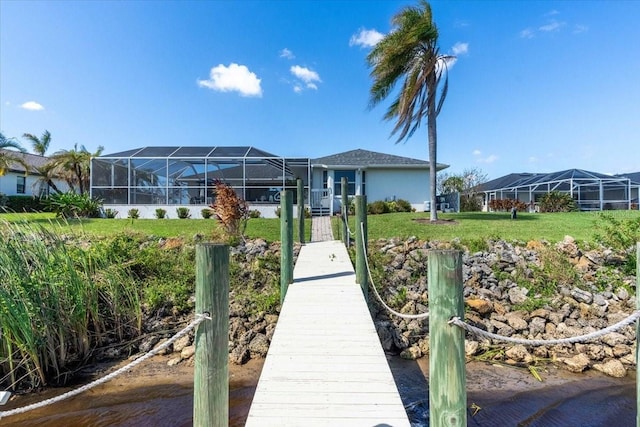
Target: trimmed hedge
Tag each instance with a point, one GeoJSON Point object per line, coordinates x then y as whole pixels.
{"type": "Point", "coordinates": [24, 204]}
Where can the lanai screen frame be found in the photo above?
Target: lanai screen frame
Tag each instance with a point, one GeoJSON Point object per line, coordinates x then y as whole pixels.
{"type": "Point", "coordinates": [588, 189]}
{"type": "Point", "coordinates": [182, 175]}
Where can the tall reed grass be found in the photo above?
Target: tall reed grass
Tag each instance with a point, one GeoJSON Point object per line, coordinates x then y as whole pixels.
{"type": "Point", "coordinates": [59, 300]}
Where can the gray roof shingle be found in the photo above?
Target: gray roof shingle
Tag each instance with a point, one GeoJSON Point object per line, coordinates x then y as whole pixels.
{"type": "Point", "coordinates": [361, 158]}
{"type": "Point", "coordinates": [33, 160]}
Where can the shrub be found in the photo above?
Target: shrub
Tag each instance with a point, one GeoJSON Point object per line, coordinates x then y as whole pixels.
{"type": "Point", "coordinates": [403, 206]}
{"type": "Point", "coordinates": [3, 200]}
{"type": "Point", "coordinates": [24, 204]}
{"type": "Point", "coordinates": [133, 213]}
{"type": "Point", "coordinates": [556, 201]}
{"type": "Point", "coordinates": [110, 213]}
{"type": "Point", "coordinates": [254, 213]}
{"type": "Point", "coordinates": [161, 213]}
{"type": "Point", "coordinates": [206, 213]}
{"type": "Point", "coordinates": [470, 204]}
{"type": "Point", "coordinates": [72, 205]}
{"type": "Point", "coordinates": [378, 207]}
{"type": "Point", "coordinates": [619, 234]}
{"type": "Point", "coordinates": [183, 213]}
{"type": "Point", "coordinates": [231, 210]}
{"type": "Point", "coordinates": [503, 205]}
{"type": "Point", "coordinates": [278, 211]}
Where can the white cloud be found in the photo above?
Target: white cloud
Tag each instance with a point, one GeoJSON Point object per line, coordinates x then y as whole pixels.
{"type": "Point", "coordinates": [533, 159]}
{"type": "Point", "coordinates": [365, 38]}
{"type": "Point", "coordinates": [32, 106]}
{"type": "Point", "coordinates": [552, 13]}
{"type": "Point", "coordinates": [551, 26]}
{"type": "Point", "coordinates": [235, 77]}
{"type": "Point", "coordinates": [286, 53]}
{"type": "Point", "coordinates": [577, 29]}
{"type": "Point", "coordinates": [307, 78]}
{"type": "Point", "coordinates": [460, 48]}
{"type": "Point", "coordinates": [527, 33]}
{"type": "Point", "coordinates": [488, 159]}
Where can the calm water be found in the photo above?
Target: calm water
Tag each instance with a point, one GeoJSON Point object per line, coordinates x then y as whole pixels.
{"type": "Point", "coordinates": [505, 396]}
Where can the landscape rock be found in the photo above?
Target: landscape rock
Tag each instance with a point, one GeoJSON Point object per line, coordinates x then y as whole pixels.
{"type": "Point", "coordinates": [577, 363]}
{"type": "Point", "coordinates": [613, 368]}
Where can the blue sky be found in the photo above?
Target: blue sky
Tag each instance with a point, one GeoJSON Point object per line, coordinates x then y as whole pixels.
{"type": "Point", "coordinates": [537, 86]}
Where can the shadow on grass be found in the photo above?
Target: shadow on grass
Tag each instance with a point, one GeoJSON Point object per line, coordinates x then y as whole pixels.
{"type": "Point", "coordinates": [493, 216]}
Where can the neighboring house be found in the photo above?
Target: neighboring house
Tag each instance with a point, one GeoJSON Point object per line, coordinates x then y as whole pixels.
{"type": "Point", "coordinates": [590, 190]}
{"type": "Point", "coordinates": [635, 186]}
{"type": "Point", "coordinates": [379, 176]}
{"type": "Point", "coordinates": [167, 177]}
{"type": "Point", "coordinates": [18, 182]}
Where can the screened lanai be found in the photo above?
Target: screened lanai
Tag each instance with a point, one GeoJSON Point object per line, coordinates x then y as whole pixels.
{"type": "Point", "coordinates": [186, 175]}
{"type": "Point", "coordinates": [590, 190]}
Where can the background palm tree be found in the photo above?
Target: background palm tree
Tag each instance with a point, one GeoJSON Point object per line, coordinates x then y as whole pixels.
{"type": "Point", "coordinates": [75, 166]}
{"type": "Point", "coordinates": [47, 174]}
{"type": "Point", "coordinates": [9, 157]}
{"type": "Point", "coordinates": [410, 53]}
{"type": "Point", "coordinates": [40, 145]}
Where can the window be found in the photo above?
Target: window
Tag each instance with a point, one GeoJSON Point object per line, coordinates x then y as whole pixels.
{"type": "Point", "coordinates": [21, 184]}
{"type": "Point", "coordinates": [351, 181]}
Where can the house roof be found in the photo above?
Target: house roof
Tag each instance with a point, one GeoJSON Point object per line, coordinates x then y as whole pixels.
{"type": "Point", "coordinates": [33, 160]}
{"type": "Point", "coordinates": [518, 180]}
{"type": "Point", "coordinates": [371, 159]}
{"type": "Point", "coordinates": [634, 177]}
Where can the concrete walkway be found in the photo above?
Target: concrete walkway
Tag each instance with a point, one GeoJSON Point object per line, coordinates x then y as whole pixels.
{"type": "Point", "coordinates": [325, 365]}
{"type": "Point", "coordinates": [321, 230]}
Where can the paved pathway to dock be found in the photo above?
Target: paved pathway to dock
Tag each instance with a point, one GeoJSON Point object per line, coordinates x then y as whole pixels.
{"type": "Point", "coordinates": [325, 365]}
{"type": "Point", "coordinates": [321, 230]}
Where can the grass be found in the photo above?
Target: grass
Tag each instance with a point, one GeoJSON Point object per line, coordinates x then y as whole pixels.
{"type": "Point", "coordinates": [474, 225]}
{"type": "Point", "coordinates": [268, 229]}
{"type": "Point", "coordinates": [466, 226]}
{"type": "Point", "coordinates": [57, 302]}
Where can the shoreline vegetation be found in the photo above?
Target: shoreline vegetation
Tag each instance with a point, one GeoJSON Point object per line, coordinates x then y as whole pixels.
{"type": "Point", "coordinates": [80, 292]}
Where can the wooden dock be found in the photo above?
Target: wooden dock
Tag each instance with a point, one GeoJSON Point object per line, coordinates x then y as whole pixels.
{"type": "Point", "coordinates": [325, 365]}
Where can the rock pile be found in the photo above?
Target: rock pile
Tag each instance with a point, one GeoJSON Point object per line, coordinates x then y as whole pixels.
{"type": "Point", "coordinates": [503, 295]}
{"type": "Point", "coordinates": [256, 263]}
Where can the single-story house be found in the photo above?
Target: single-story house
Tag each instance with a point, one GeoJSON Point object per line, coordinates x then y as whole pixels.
{"type": "Point", "coordinates": [20, 182]}
{"type": "Point", "coordinates": [590, 190]}
{"type": "Point", "coordinates": [149, 178]}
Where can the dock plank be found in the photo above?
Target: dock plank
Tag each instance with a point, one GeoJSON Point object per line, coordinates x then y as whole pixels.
{"type": "Point", "coordinates": [325, 365]}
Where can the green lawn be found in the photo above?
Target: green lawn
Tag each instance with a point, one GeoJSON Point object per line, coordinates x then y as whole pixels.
{"type": "Point", "coordinates": [268, 229]}
{"type": "Point", "coordinates": [466, 226]}
{"type": "Point", "coordinates": [473, 225]}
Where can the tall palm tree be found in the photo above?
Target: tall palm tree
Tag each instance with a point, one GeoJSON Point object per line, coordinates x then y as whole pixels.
{"type": "Point", "coordinates": [75, 166]}
{"type": "Point", "coordinates": [40, 145]}
{"type": "Point", "coordinates": [9, 157]}
{"type": "Point", "coordinates": [410, 53]}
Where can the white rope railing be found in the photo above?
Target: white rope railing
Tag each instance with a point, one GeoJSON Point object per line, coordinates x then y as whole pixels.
{"type": "Point", "coordinates": [344, 219]}
{"type": "Point", "coordinates": [569, 340]}
{"type": "Point", "coordinates": [199, 319]}
{"type": "Point", "coordinates": [375, 290]}
{"type": "Point", "coordinates": [485, 334]}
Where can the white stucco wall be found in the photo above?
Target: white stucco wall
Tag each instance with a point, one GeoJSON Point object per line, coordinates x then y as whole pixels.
{"type": "Point", "coordinates": [9, 181]}
{"type": "Point", "coordinates": [408, 184]}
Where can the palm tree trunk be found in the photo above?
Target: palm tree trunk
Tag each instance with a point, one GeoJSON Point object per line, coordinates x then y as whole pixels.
{"type": "Point", "coordinates": [432, 137]}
